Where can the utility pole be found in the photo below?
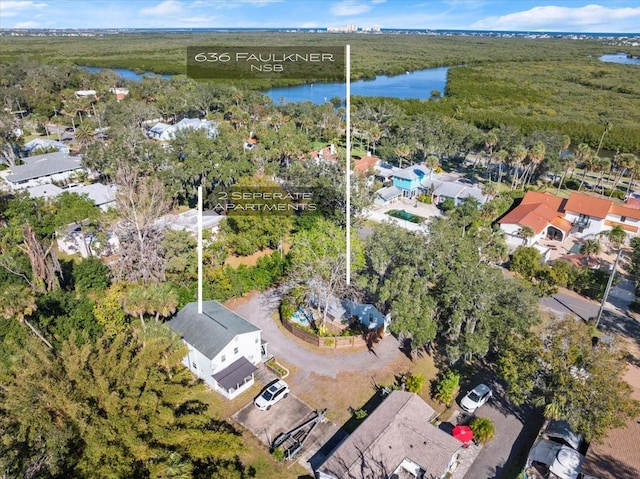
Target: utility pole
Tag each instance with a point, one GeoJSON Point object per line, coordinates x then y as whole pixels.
{"type": "Point", "coordinates": [608, 288]}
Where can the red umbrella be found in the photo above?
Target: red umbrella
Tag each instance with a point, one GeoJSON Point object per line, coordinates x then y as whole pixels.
{"type": "Point", "coordinates": [462, 433]}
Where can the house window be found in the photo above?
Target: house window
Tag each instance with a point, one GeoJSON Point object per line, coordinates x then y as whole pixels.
{"type": "Point", "coordinates": [623, 219]}
{"type": "Point", "coordinates": [256, 340]}
{"type": "Point", "coordinates": [235, 350]}
{"type": "Point", "coordinates": [194, 366]}
{"type": "Point", "coordinates": [223, 358]}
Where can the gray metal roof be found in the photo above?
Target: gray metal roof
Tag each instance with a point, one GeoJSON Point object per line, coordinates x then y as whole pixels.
{"type": "Point", "coordinates": [235, 374]}
{"type": "Point", "coordinates": [560, 429]}
{"type": "Point", "coordinates": [451, 190]}
{"type": "Point", "coordinates": [45, 191]}
{"type": "Point", "coordinates": [412, 172]}
{"type": "Point", "coordinates": [389, 193]}
{"type": "Point", "coordinates": [44, 165]}
{"type": "Point", "coordinates": [97, 192]}
{"type": "Point", "coordinates": [212, 330]}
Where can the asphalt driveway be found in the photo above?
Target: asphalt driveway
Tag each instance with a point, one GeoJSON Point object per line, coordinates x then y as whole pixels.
{"type": "Point", "coordinates": [259, 311]}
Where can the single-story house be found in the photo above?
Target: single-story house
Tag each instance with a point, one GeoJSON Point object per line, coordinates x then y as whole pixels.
{"type": "Point", "coordinates": [395, 440]}
{"type": "Point", "coordinates": [224, 348]}
{"type": "Point", "coordinates": [104, 196]}
{"type": "Point", "coordinates": [188, 221]}
{"type": "Point", "coordinates": [387, 195]}
{"type": "Point", "coordinates": [47, 191]}
{"type": "Point", "coordinates": [44, 144]}
{"type": "Point", "coordinates": [457, 192]}
{"type": "Point", "coordinates": [120, 93]}
{"type": "Point", "coordinates": [165, 132]}
{"type": "Point", "coordinates": [42, 169]}
{"type": "Point", "coordinates": [365, 164]}
{"type": "Point", "coordinates": [74, 239]}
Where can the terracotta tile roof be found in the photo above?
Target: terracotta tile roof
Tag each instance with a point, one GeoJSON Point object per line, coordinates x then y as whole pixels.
{"type": "Point", "coordinates": [633, 203]}
{"type": "Point", "coordinates": [365, 163]}
{"type": "Point", "coordinates": [536, 210]}
{"type": "Point", "coordinates": [624, 226]}
{"type": "Point", "coordinates": [588, 205]}
{"type": "Point", "coordinates": [562, 224]}
{"type": "Point", "coordinates": [617, 457]}
{"type": "Point", "coordinates": [621, 210]}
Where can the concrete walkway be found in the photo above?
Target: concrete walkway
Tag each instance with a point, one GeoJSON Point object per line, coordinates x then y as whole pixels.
{"type": "Point", "coordinates": [259, 311]}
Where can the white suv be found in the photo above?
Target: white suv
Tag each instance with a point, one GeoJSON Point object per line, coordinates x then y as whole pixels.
{"type": "Point", "coordinates": [271, 395]}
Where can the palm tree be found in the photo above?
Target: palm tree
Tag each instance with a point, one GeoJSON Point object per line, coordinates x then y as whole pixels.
{"type": "Point", "coordinates": [432, 162]}
{"type": "Point", "coordinates": [518, 154]}
{"type": "Point", "coordinates": [403, 152]}
{"type": "Point", "coordinates": [535, 155]}
{"type": "Point", "coordinates": [602, 165]}
{"type": "Point", "coordinates": [526, 232]}
{"type": "Point", "coordinates": [490, 190]}
{"type": "Point", "coordinates": [634, 168]}
{"type": "Point", "coordinates": [17, 302]}
{"type": "Point", "coordinates": [625, 162]}
{"type": "Point", "coordinates": [590, 248]}
{"type": "Point", "coordinates": [584, 155]}
{"type": "Point", "coordinates": [483, 429]}
{"type": "Point", "coordinates": [569, 163]}
{"type": "Point", "coordinates": [607, 128]}
{"type": "Point", "coordinates": [616, 237]}
{"type": "Point", "coordinates": [136, 301]}
{"type": "Point", "coordinates": [500, 156]}
{"type": "Point", "coordinates": [163, 300]}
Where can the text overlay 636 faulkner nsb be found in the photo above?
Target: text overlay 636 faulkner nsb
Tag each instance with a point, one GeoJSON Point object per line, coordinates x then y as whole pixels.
{"type": "Point", "coordinates": [247, 63]}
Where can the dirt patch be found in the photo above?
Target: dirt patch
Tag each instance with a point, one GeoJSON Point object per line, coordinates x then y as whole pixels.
{"type": "Point", "coordinates": [251, 260]}
{"type": "Point", "coordinates": [351, 390]}
{"type": "Point", "coordinates": [238, 301]}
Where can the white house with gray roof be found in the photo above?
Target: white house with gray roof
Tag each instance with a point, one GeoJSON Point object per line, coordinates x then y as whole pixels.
{"type": "Point", "coordinates": [43, 169]}
{"type": "Point", "coordinates": [164, 132]}
{"type": "Point", "coordinates": [224, 348]}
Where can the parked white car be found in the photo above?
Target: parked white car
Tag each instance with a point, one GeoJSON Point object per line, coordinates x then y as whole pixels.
{"type": "Point", "coordinates": [271, 395]}
{"type": "Point", "coordinates": [476, 398]}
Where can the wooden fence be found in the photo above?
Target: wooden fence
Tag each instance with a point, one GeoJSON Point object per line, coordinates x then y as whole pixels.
{"type": "Point", "coordinates": [329, 342]}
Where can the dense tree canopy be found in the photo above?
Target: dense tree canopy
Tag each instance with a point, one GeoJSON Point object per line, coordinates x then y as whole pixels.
{"type": "Point", "coordinates": [122, 408]}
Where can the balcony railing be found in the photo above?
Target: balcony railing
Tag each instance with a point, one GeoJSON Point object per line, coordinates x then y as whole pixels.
{"type": "Point", "coordinates": [582, 223]}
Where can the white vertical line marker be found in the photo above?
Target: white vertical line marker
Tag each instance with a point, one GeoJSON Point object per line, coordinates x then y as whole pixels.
{"type": "Point", "coordinates": [347, 59]}
{"type": "Point", "coordinates": [200, 249]}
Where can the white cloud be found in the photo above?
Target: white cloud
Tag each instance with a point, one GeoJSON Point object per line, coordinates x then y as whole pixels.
{"type": "Point", "coordinates": [196, 20]}
{"type": "Point", "coordinates": [349, 7]}
{"type": "Point", "coordinates": [590, 18]}
{"type": "Point", "coordinates": [11, 9]}
{"type": "Point", "coordinates": [168, 7]}
{"type": "Point", "coordinates": [28, 24]}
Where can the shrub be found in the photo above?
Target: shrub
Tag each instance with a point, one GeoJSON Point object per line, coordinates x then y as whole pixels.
{"type": "Point", "coordinates": [447, 205]}
{"type": "Point", "coordinates": [425, 199]}
{"type": "Point", "coordinates": [360, 414]}
{"type": "Point", "coordinates": [278, 454]}
{"type": "Point", "coordinates": [483, 429]}
{"type": "Point", "coordinates": [572, 184]}
{"type": "Point", "coordinates": [414, 383]}
{"type": "Point", "coordinates": [287, 308]}
{"type": "Point", "coordinates": [446, 387]}
{"type": "Point", "coordinates": [329, 343]}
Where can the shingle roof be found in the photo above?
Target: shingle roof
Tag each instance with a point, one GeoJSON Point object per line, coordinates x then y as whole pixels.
{"type": "Point", "coordinates": [397, 429]}
{"type": "Point", "coordinates": [44, 165]}
{"type": "Point", "coordinates": [588, 205]}
{"type": "Point", "coordinates": [212, 330]}
{"type": "Point", "coordinates": [234, 375]}
{"type": "Point", "coordinates": [97, 192]}
{"type": "Point", "coordinates": [412, 172]}
{"type": "Point", "coordinates": [388, 193]}
{"type": "Point", "coordinates": [618, 452]}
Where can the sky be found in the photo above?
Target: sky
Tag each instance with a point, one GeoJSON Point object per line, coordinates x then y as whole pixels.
{"type": "Point", "coordinates": [619, 16]}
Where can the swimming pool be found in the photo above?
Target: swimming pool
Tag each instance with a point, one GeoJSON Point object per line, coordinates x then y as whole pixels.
{"type": "Point", "coordinates": [405, 215]}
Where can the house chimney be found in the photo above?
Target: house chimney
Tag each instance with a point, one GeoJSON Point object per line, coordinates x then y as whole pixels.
{"type": "Point", "coordinates": [200, 249]}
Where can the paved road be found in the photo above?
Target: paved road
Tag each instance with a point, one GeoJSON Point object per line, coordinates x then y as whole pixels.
{"type": "Point", "coordinates": [563, 303]}
{"type": "Point", "coordinates": [259, 310]}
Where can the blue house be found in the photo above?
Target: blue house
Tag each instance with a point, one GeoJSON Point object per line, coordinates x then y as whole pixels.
{"type": "Point", "coordinates": [409, 179]}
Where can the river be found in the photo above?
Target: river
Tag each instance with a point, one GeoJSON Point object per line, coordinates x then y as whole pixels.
{"type": "Point", "coordinates": [418, 84]}
{"type": "Point", "coordinates": [620, 58]}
